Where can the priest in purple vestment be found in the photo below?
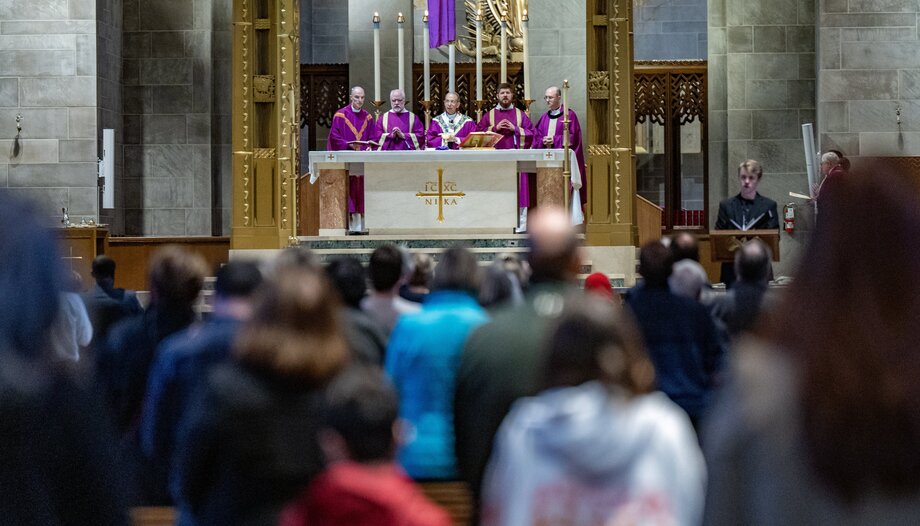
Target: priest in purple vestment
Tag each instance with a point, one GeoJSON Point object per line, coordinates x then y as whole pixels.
{"type": "Point", "coordinates": [352, 127]}
{"type": "Point", "coordinates": [517, 132]}
{"type": "Point", "coordinates": [549, 133]}
{"type": "Point", "coordinates": [448, 129]}
{"type": "Point", "coordinates": [399, 129]}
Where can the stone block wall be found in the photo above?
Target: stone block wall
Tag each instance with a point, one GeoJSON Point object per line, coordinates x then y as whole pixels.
{"type": "Point", "coordinates": [670, 30]}
{"type": "Point", "coordinates": [762, 80]}
{"type": "Point", "coordinates": [108, 90]}
{"type": "Point", "coordinates": [323, 31]}
{"type": "Point", "coordinates": [869, 67]}
{"type": "Point", "coordinates": [176, 116]}
{"type": "Point", "coordinates": [48, 75]}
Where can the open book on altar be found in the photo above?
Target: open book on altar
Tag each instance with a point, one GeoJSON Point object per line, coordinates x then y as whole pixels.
{"type": "Point", "coordinates": [485, 140]}
{"type": "Point", "coordinates": [363, 145]}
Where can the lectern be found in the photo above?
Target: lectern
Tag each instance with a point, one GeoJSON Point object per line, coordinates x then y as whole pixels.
{"type": "Point", "coordinates": [726, 242]}
{"type": "Point", "coordinates": [80, 245]}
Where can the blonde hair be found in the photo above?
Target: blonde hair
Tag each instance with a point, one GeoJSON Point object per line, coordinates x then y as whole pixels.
{"type": "Point", "coordinates": [295, 330]}
{"type": "Point", "coordinates": [752, 167]}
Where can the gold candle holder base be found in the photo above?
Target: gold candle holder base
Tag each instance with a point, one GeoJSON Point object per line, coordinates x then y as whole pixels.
{"type": "Point", "coordinates": [426, 105]}
{"type": "Point", "coordinates": [478, 104]}
{"type": "Point", "coordinates": [377, 104]}
{"type": "Point", "coordinates": [527, 103]}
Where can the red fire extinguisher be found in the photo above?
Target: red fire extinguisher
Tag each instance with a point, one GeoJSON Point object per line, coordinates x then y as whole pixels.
{"type": "Point", "coordinates": [789, 218]}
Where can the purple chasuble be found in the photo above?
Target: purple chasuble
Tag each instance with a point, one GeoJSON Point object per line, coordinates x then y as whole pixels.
{"type": "Point", "coordinates": [405, 121]}
{"type": "Point", "coordinates": [347, 126]}
{"type": "Point", "coordinates": [551, 126]}
{"type": "Point", "coordinates": [519, 138]}
{"type": "Point", "coordinates": [458, 124]}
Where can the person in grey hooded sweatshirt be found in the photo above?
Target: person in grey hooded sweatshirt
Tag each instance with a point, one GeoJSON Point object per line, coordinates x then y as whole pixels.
{"type": "Point", "coordinates": [597, 446]}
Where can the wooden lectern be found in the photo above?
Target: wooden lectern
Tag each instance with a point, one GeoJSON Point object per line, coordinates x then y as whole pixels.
{"type": "Point", "coordinates": [726, 242]}
{"type": "Point", "coordinates": [80, 245]}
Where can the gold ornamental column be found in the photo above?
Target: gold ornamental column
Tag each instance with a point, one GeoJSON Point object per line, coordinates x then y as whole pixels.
{"type": "Point", "coordinates": [610, 127]}
{"type": "Point", "coordinates": [266, 130]}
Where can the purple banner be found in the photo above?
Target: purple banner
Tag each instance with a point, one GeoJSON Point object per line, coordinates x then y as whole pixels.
{"type": "Point", "coordinates": [442, 24]}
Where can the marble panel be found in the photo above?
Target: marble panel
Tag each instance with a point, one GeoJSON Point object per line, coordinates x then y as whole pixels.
{"type": "Point", "coordinates": [160, 192]}
{"type": "Point", "coordinates": [23, 42]}
{"type": "Point", "coordinates": [550, 189]}
{"type": "Point", "coordinates": [873, 116]}
{"type": "Point", "coordinates": [880, 55]}
{"type": "Point", "coordinates": [845, 142]}
{"type": "Point", "coordinates": [167, 222]}
{"type": "Point", "coordinates": [136, 44]}
{"type": "Point", "coordinates": [775, 124]}
{"type": "Point", "coordinates": [835, 116]}
{"type": "Point", "coordinates": [740, 39]}
{"type": "Point", "coordinates": [198, 222]}
{"type": "Point", "coordinates": [164, 129]}
{"type": "Point", "coordinates": [882, 6]}
{"type": "Point", "coordinates": [37, 123]}
{"type": "Point", "coordinates": [888, 144]}
{"type": "Point", "coordinates": [807, 115]}
{"type": "Point", "coordinates": [49, 201]}
{"type": "Point", "coordinates": [879, 34]}
{"type": "Point", "coordinates": [133, 189]}
{"type": "Point", "coordinates": [545, 42]}
{"type": "Point", "coordinates": [863, 20]}
{"type": "Point", "coordinates": [9, 92]}
{"type": "Point", "coordinates": [769, 39]}
{"type": "Point", "coordinates": [769, 66]}
{"type": "Point", "coordinates": [834, 6]}
{"type": "Point", "coordinates": [199, 128]}
{"type": "Point", "coordinates": [807, 14]}
{"type": "Point", "coordinates": [859, 85]}
{"type": "Point", "coordinates": [829, 43]}
{"type": "Point", "coordinates": [82, 202]}
{"type": "Point", "coordinates": [909, 84]}
{"type": "Point", "coordinates": [201, 188]}
{"type": "Point", "coordinates": [196, 43]}
{"type": "Point", "coordinates": [718, 126]}
{"type": "Point", "coordinates": [202, 84]}
{"type": "Point", "coordinates": [169, 99]}
{"type": "Point", "coordinates": [802, 93]}
{"type": "Point", "coordinates": [800, 39]}
{"type": "Point", "coordinates": [81, 122]}
{"type": "Point", "coordinates": [758, 12]}
{"type": "Point", "coordinates": [766, 94]}
{"type": "Point", "coordinates": [37, 10]}
{"type": "Point", "coordinates": [718, 82]}
{"type": "Point", "coordinates": [807, 68]}
{"type": "Point", "coordinates": [47, 27]}
{"type": "Point", "coordinates": [37, 63]}
{"type": "Point", "coordinates": [168, 44]}
{"type": "Point", "coordinates": [58, 91]}
{"type": "Point", "coordinates": [86, 55]}
{"type": "Point", "coordinates": [333, 193]}
{"type": "Point", "coordinates": [740, 124]}
{"type": "Point", "coordinates": [83, 150]}
{"type": "Point", "coordinates": [717, 41]}
{"type": "Point", "coordinates": [166, 14]}
{"type": "Point", "coordinates": [161, 71]}
{"type": "Point", "coordinates": [130, 72]}
{"type": "Point", "coordinates": [82, 10]}
{"type": "Point", "coordinates": [201, 15]}
{"type": "Point", "coordinates": [170, 161]}
{"type": "Point", "coordinates": [30, 151]}
{"type": "Point", "coordinates": [133, 128]}
{"type": "Point", "coordinates": [53, 174]}
{"type": "Point", "coordinates": [736, 95]}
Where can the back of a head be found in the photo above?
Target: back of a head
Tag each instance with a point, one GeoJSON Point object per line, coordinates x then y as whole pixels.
{"type": "Point", "coordinates": [30, 278]}
{"type": "Point", "coordinates": [655, 263]}
{"type": "Point", "coordinates": [457, 269]}
{"type": "Point", "coordinates": [688, 279]}
{"type": "Point", "coordinates": [423, 270]}
{"type": "Point", "coordinates": [176, 276]}
{"type": "Point", "coordinates": [752, 262]}
{"type": "Point", "coordinates": [295, 330]}
{"type": "Point", "coordinates": [848, 321]}
{"type": "Point", "coordinates": [348, 277]}
{"type": "Point", "coordinates": [598, 283]}
{"type": "Point", "coordinates": [386, 267]}
{"type": "Point", "coordinates": [595, 339]}
{"type": "Point", "coordinates": [103, 267]}
{"type": "Point", "coordinates": [301, 257]}
{"type": "Point", "coordinates": [237, 279]}
{"type": "Point", "coordinates": [553, 246]}
{"type": "Point", "coordinates": [498, 286]}
{"type": "Point", "coordinates": [685, 246]}
{"type": "Point", "coordinates": [362, 406]}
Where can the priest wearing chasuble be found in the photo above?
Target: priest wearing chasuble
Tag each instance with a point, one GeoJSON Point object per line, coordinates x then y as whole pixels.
{"type": "Point", "coordinates": [448, 129]}
{"type": "Point", "coordinates": [399, 129]}
{"type": "Point", "coordinates": [549, 133]}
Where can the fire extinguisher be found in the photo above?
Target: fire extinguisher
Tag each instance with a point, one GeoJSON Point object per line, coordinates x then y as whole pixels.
{"type": "Point", "coordinates": [789, 218]}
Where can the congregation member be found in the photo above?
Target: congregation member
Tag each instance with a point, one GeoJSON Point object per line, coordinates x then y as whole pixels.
{"type": "Point", "coordinates": [399, 129]}
{"type": "Point", "coordinates": [353, 129]}
{"type": "Point", "coordinates": [106, 303]}
{"type": "Point", "coordinates": [684, 245]}
{"type": "Point", "coordinates": [820, 423]}
{"type": "Point", "coordinates": [418, 286]}
{"type": "Point", "coordinates": [598, 445]}
{"type": "Point", "coordinates": [72, 329]}
{"type": "Point", "coordinates": [366, 337]}
{"type": "Point", "coordinates": [688, 279]}
{"type": "Point", "coordinates": [448, 129]}
{"type": "Point", "coordinates": [57, 455]}
{"type": "Point", "coordinates": [249, 443]}
{"type": "Point", "coordinates": [503, 359]}
{"type": "Point", "coordinates": [421, 360]}
{"type": "Point", "coordinates": [549, 133]}
{"type": "Point", "coordinates": [362, 485]}
{"type": "Point", "coordinates": [182, 362]}
{"type": "Point", "coordinates": [502, 283]}
{"type": "Point", "coordinates": [746, 211]}
{"type": "Point", "coordinates": [517, 133]}
{"type": "Point", "coordinates": [387, 268]}
{"type": "Point", "coordinates": [739, 308]}
{"type": "Point", "coordinates": [682, 340]}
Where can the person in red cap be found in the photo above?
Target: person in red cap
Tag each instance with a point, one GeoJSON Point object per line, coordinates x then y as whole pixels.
{"type": "Point", "coordinates": [599, 284]}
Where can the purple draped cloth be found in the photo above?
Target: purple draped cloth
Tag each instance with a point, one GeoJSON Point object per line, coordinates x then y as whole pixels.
{"type": "Point", "coordinates": [405, 121]}
{"type": "Point", "coordinates": [461, 126]}
{"type": "Point", "coordinates": [551, 126]}
{"type": "Point", "coordinates": [518, 138]}
{"type": "Point", "coordinates": [348, 126]}
{"type": "Point", "coordinates": [442, 22]}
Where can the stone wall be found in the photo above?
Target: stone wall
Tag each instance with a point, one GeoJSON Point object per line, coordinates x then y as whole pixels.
{"type": "Point", "coordinates": [762, 88]}
{"type": "Point", "coordinates": [670, 30]}
{"type": "Point", "coordinates": [176, 102]}
{"type": "Point", "coordinates": [108, 89]}
{"type": "Point", "coordinates": [48, 74]}
{"type": "Point", "coordinates": [323, 31]}
{"type": "Point", "coordinates": [869, 67]}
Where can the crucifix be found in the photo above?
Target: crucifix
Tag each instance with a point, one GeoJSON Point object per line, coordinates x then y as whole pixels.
{"type": "Point", "coordinates": [70, 259]}
{"type": "Point", "coordinates": [440, 194]}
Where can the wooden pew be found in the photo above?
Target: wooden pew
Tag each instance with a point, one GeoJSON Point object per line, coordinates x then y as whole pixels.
{"type": "Point", "coordinates": [153, 516]}
{"type": "Point", "coordinates": [453, 496]}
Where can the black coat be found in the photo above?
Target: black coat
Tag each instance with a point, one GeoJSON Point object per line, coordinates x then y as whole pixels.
{"type": "Point", "coordinates": [737, 213]}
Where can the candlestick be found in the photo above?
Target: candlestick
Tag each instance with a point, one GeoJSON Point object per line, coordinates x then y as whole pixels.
{"type": "Point", "coordinates": [426, 43]}
{"type": "Point", "coordinates": [376, 56]}
{"type": "Point", "coordinates": [426, 104]}
{"type": "Point", "coordinates": [504, 50]}
{"type": "Point", "coordinates": [566, 144]}
{"type": "Point", "coordinates": [452, 66]}
{"type": "Point", "coordinates": [401, 52]}
{"type": "Point", "coordinates": [479, 103]}
{"type": "Point", "coordinates": [377, 104]}
{"type": "Point", "coordinates": [479, 54]}
{"type": "Point", "coordinates": [525, 33]}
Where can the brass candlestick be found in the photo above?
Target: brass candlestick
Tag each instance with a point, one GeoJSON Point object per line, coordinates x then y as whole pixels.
{"type": "Point", "coordinates": [566, 144]}
{"type": "Point", "coordinates": [527, 103]}
{"type": "Point", "coordinates": [377, 104]}
{"type": "Point", "coordinates": [426, 105]}
{"type": "Point", "coordinates": [479, 104]}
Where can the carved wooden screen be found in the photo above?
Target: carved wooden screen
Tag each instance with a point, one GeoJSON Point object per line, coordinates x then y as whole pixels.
{"type": "Point", "coordinates": [671, 140]}
{"type": "Point", "coordinates": [466, 85]}
{"type": "Point", "coordinates": [323, 89]}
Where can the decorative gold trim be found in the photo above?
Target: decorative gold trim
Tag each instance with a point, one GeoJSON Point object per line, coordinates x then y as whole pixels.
{"type": "Point", "coordinates": [599, 85]}
{"type": "Point", "coordinates": [263, 153]}
{"type": "Point", "coordinates": [263, 88]}
{"type": "Point", "coordinates": [262, 24]}
{"type": "Point", "coordinates": [681, 62]}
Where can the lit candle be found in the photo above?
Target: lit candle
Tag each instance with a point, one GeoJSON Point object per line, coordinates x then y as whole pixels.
{"type": "Point", "coordinates": [401, 60]}
{"type": "Point", "coordinates": [451, 66]}
{"type": "Point", "coordinates": [376, 56]}
{"type": "Point", "coordinates": [524, 33]}
{"type": "Point", "coordinates": [479, 54]}
{"type": "Point", "coordinates": [426, 42]}
{"type": "Point", "coordinates": [504, 50]}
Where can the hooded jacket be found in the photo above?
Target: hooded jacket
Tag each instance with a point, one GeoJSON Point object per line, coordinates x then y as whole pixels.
{"type": "Point", "coordinates": [587, 455]}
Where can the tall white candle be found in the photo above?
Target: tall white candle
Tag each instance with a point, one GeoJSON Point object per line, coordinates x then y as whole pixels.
{"type": "Point", "coordinates": [426, 41]}
{"type": "Point", "coordinates": [401, 60]}
{"type": "Point", "coordinates": [479, 54]}
{"type": "Point", "coordinates": [525, 34]}
{"type": "Point", "coordinates": [452, 66]}
{"type": "Point", "coordinates": [376, 56]}
{"type": "Point", "coordinates": [504, 51]}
